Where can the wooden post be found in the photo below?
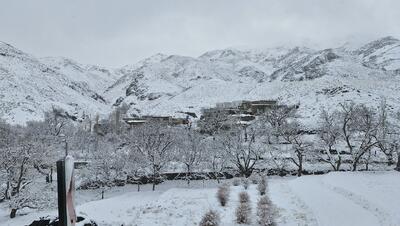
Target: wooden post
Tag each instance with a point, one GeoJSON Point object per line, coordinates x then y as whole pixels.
{"type": "Point", "coordinates": [65, 188]}
{"type": "Point", "coordinates": [62, 194]}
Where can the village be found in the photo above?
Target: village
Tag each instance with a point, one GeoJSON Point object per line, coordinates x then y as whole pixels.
{"type": "Point", "coordinates": [236, 112]}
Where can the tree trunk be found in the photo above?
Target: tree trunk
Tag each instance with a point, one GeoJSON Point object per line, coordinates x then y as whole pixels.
{"type": "Point", "coordinates": [13, 213]}
{"type": "Point", "coordinates": [154, 181]}
{"type": "Point", "coordinates": [217, 177]}
{"type": "Point", "coordinates": [355, 162]}
{"type": "Point", "coordinates": [248, 173]}
{"type": "Point", "coordinates": [336, 167]}
{"type": "Point", "coordinates": [154, 177]}
{"type": "Point", "coordinates": [339, 162]}
{"type": "Point", "coordinates": [355, 166]}
{"type": "Point", "coordinates": [398, 162]}
{"type": "Point", "coordinates": [300, 169]}
{"type": "Point", "coordinates": [20, 178]}
{"type": "Point", "coordinates": [51, 174]}
{"type": "Point", "coordinates": [187, 175]}
{"type": "Point", "coordinates": [300, 166]}
{"type": "Point", "coordinates": [390, 158]}
{"type": "Point", "coordinates": [7, 191]}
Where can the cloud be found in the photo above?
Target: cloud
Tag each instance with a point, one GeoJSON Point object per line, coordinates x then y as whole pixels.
{"type": "Point", "coordinates": [115, 33]}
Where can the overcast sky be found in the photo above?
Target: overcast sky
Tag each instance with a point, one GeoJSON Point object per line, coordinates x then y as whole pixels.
{"type": "Point", "coordinates": [115, 32]}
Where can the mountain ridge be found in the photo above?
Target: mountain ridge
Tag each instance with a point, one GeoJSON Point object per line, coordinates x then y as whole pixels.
{"type": "Point", "coordinates": [169, 84]}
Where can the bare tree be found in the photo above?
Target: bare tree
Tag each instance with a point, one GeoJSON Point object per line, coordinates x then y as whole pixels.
{"type": "Point", "coordinates": [273, 120]}
{"type": "Point", "coordinates": [388, 133]}
{"type": "Point", "coordinates": [280, 128]}
{"type": "Point", "coordinates": [55, 121]}
{"type": "Point", "coordinates": [292, 133]}
{"type": "Point", "coordinates": [108, 164]}
{"type": "Point", "coordinates": [154, 141]}
{"type": "Point", "coordinates": [276, 157]}
{"type": "Point", "coordinates": [190, 150]}
{"type": "Point", "coordinates": [16, 161]}
{"type": "Point", "coordinates": [329, 135]}
{"type": "Point", "coordinates": [215, 157]}
{"type": "Point", "coordinates": [241, 153]}
{"type": "Point", "coordinates": [214, 123]}
{"type": "Point", "coordinates": [396, 145]}
{"type": "Point", "coordinates": [34, 196]}
{"type": "Point", "coordinates": [7, 155]}
{"type": "Point", "coordinates": [358, 129]}
{"type": "Point", "coordinates": [46, 145]}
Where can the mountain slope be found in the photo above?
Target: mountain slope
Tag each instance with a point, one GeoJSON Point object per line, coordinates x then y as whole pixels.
{"type": "Point", "coordinates": [312, 78]}
{"type": "Point", "coordinates": [170, 84]}
{"type": "Point", "coordinates": [95, 77]}
{"type": "Point", "coordinates": [383, 53]}
{"type": "Point", "coordinates": [28, 87]}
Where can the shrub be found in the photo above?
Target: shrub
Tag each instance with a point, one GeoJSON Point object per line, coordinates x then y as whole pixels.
{"type": "Point", "coordinates": [254, 179]}
{"type": "Point", "coordinates": [262, 185]}
{"type": "Point", "coordinates": [246, 183]}
{"type": "Point", "coordinates": [223, 194]}
{"type": "Point", "coordinates": [236, 182]}
{"type": "Point", "coordinates": [243, 211]}
{"type": "Point", "coordinates": [211, 218]}
{"type": "Point", "coordinates": [264, 212]}
{"type": "Point", "coordinates": [244, 197]}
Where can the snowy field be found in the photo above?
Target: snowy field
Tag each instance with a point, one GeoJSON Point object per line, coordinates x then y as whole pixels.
{"type": "Point", "coordinates": [345, 199]}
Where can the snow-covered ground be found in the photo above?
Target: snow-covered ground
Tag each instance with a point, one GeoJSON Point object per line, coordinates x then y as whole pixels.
{"type": "Point", "coordinates": [360, 198]}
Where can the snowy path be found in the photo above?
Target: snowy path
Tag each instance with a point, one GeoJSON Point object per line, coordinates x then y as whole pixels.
{"type": "Point", "coordinates": [382, 216]}
{"type": "Point", "coordinates": [360, 198]}
{"type": "Point", "coordinates": [376, 191]}
{"type": "Point", "coordinates": [292, 211]}
{"type": "Point", "coordinates": [330, 208]}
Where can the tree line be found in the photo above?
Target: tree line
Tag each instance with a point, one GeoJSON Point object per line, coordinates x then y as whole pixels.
{"type": "Point", "coordinates": [110, 150]}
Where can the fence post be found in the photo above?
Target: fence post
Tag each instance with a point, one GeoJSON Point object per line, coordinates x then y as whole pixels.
{"type": "Point", "coordinates": [66, 189]}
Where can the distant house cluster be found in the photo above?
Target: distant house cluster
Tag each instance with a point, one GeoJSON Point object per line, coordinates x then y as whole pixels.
{"type": "Point", "coordinates": [244, 111]}
{"type": "Point", "coordinates": [133, 121]}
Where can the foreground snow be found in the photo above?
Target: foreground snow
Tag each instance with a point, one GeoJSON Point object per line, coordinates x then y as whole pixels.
{"type": "Point", "coordinates": [362, 198]}
{"type": "Point", "coordinates": [339, 199]}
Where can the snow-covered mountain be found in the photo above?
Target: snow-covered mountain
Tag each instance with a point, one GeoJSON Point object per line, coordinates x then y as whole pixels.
{"type": "Point", "coordinates": [95, 77]}
{"type": "Point", "coordinates": [29, 86]}
{"type": "Point", "coordinates": [313, 78]}
{"type": "Point", "coordinates": [383, 54]}
{"type": "Point", "coordinates": [167, 85]}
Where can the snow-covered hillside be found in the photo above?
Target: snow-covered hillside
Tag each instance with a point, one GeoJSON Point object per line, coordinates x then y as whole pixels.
{"type": "Point", "coordinates": [167, 85]}
{"type": "Point", "coordinates": [95, 77]}
{"type": "Point", "coordinates": [313, 78]}
{"type": "Point", "coordinates": [30, 86]}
